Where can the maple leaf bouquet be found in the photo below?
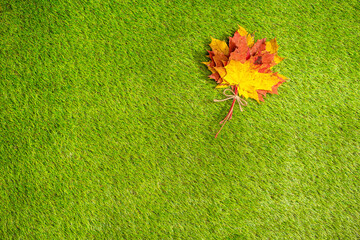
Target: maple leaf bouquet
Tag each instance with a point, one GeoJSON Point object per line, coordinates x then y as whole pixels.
{"type": "Point", "coordinates": [245, 67]}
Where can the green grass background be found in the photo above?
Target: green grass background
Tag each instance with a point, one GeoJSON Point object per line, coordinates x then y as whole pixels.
{"type": "Point", "coordinates": [107, 122]}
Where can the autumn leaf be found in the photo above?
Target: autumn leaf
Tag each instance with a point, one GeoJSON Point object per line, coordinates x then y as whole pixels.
{"type": "Point", "coordinates": [220, 46]}
{"type": "Point", "coordinates": [272, 46]}
{"type": "Point", "coordinates": [245, 66]}
{"type": "Point", "coordinates": [249, 37]}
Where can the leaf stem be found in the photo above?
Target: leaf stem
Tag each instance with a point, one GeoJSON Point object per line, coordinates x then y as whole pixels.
{"type": "Point", "coordinates": [229, 115]}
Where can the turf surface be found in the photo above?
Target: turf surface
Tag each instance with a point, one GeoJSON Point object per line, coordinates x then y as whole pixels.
{"type": "Point", "coordinates": [107, 123]}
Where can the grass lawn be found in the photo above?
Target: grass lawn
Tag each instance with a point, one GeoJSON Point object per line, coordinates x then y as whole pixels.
{"type": "Point", "coordinates": [107, 122]}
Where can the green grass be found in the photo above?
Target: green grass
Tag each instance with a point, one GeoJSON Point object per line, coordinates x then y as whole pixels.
{"type": "Point", "coordinates": [107, 123]}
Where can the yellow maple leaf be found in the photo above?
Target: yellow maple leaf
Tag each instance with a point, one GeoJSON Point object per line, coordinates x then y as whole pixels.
{"type": "Point", "coordinates": [278, 59]}
{"type": "Point", "coordinates": [218, 45]}
{"type": "Point", "coordinates": [247, 79]}
{"type": "Point", "coordinates": [272, 46]}
{"type": "Point", "coordinates": [249, 37]}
